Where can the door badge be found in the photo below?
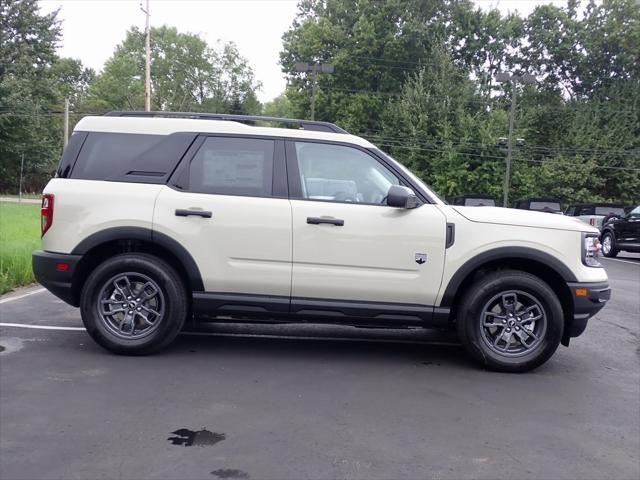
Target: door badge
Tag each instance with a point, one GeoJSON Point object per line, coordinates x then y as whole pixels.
{"type": "Point", "coordinates": [421, 258]}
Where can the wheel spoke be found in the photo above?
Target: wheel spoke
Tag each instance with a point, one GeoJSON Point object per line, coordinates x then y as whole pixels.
{"type": "Point", "coordinates": [124, 290]}
{"type": "Point", "coordinates": [524, 336]}
{"type": "Point", "coordinates": [144, 317]}
{"type": "Point", "coordinates": [506, 341]}
{"type": "Point", "coordinates": [493, 320]}
{"type": "Point", "coordinates": [150, 310]}
{"type": "Point", "coordinates": [148, 295]}
{"type": "Point", "coordinates": [111, 303]}
{"type": "Point", "coordinates": [509, 302]}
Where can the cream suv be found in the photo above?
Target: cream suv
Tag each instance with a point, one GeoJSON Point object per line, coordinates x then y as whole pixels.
{"type": "Point", "coordinates": [156, 218]}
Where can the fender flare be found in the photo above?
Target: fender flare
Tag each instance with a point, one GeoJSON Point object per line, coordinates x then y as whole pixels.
{"type": "Point", "coordinates": [147, 235]}
{"type": "Point", "coordinates": [518, 253]}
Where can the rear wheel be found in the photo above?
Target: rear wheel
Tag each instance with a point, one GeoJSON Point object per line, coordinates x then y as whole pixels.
{"type": "Point", "coordinates": [510, 321]}
{"type": "Point", "coordinates": [133, 304]}
{"type": "Point", "coordinates": [609, 245]}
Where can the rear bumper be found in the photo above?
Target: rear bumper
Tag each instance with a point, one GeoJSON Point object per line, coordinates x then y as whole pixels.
{"type": "Point", "coordinates": [54, 271]}
{"type": "Point", "coordinates": [588, 299]}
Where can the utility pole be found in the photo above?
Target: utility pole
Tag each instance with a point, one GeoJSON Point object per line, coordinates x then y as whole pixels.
{"type": "Point", "coordinates": [66, 121]}
{"type": "Point", "coordinates": [20, 187]}
{"type": "Point", "coordinates": [525, 79]}
{"type": "Point", "coordinates": [147, 60]}
{"type": "Point", "coordinates": [314, 69]}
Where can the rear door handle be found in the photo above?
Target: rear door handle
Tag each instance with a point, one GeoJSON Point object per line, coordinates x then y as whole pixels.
{"type": "Point", "coordinates": [181, 212]}
{"type": "Point", "coordinates": [338, 222]}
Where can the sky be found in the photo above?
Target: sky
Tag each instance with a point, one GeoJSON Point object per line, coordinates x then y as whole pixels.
{"type": "Point", "coordinates": [92, 28]}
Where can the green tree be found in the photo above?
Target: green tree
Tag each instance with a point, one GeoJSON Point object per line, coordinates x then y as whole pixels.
{"type": "Point", "coordinates": [186, 75]}
{"type": "Point", "coordinates": [27, 91]}
{"type": "Point", "coordinates": [278, 107]}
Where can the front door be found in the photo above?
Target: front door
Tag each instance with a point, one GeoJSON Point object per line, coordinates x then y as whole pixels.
{"type": "Point", "coordinates": [348, 245]}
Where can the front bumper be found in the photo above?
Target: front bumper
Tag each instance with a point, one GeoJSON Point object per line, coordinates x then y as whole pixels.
{"type": "Point", "coordinates": [54, 271]}
{"type": "Point", "coordinates": [588, 299]}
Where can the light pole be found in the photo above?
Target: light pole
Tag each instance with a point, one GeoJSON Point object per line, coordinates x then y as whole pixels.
{"type": "Point", "coordinates": [147, 60]}
{"type": "Point", "coordinates": [525, 79]}
{"type": "Point", "coordinates": [314, 68]}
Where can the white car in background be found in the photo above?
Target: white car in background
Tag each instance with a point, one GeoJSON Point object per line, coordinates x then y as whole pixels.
{"type": "Point", "coordinates": [594, 213]}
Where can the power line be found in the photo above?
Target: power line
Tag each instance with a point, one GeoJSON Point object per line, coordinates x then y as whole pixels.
{"type": "Point", "coordinates": [515, 159]}
{"type": "Point", "coordinates": [380, 136]}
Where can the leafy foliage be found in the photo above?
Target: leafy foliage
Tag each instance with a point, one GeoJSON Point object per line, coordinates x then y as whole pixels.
{"type": "Point", "coordinates": [417, 78]}
{"type": "Point", "coordinates": [186, 75]}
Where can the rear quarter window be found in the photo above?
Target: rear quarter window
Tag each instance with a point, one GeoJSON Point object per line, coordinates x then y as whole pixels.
{"type": "Point", "coordinates": [104, 155]}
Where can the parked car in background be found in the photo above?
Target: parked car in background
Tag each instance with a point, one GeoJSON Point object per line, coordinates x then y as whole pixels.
{"type": "Point", "coordinates": [621, 233]}
{"type": "Point", "coordinates": [594, 213]}
{"type": "Point", "coordinates": [549, 205]}
{"type": "Point", "coordinates": [473, 200]}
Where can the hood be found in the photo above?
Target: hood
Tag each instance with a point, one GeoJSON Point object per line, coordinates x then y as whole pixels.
{"type": "Point", "coordinates": [523, 218]}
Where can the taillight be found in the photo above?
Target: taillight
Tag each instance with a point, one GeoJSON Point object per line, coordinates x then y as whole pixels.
{"type": "Point", "coordinates": [46, 213]}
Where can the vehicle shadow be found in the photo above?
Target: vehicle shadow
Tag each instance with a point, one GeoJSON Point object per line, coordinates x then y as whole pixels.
{"type": "Point", "coordinates": [300, 343]}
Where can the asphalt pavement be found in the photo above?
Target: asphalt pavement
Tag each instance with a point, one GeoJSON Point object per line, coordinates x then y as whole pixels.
{"type": "Point", "coordinates": [289, 402]}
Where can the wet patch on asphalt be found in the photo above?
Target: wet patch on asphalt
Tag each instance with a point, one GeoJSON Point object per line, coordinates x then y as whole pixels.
{"type": "Point", "coordinates": [10, 345]}
{"type": "Point", "coordinates": [230, 473]}
{"type": "Point", "coordinates": [199, 438]}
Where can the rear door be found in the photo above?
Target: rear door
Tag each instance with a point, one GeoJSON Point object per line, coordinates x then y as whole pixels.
{"type": "Point", "coordinates": [228, 206]}
{"type": "Point", "coordinates": [348, 245]}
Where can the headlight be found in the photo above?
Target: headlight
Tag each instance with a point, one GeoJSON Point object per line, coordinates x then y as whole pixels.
{"type": "Point", "coordinates": [590, 249]}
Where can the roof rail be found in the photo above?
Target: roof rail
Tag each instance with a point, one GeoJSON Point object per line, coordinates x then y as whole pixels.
{"type": "Point", "coordinates": [303, 124]}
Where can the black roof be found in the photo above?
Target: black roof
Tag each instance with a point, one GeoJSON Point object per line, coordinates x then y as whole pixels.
{"type": "Point", "coordinates": [539, 199]}
{"type": "Point", "coordinates": [598, 204]}
{"type": "Point", "coordinates": [473, 195]}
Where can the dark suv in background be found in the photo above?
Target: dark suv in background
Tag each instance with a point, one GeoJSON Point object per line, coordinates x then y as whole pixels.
{"type": "Point", "coordinates": [473, 200]}
{"type": "Point", "coordinates": [549, 205]}
{"type": "Point", "coordinates": [621, 233]}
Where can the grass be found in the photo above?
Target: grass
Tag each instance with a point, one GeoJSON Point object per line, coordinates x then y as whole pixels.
{"type": "Point", "coordinates": [28, 196]}
{"type": "Point", "coordinates": [19, 236]}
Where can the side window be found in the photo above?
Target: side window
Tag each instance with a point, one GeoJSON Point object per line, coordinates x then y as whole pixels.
{"type": "Point", "coordinates": [571, 211]}
{"type": "Point", "coordinates": [104, 154]}
{"type": "Point", "coordinates": [233, 166]}
{"type": "Point", "coordinates": [342, 174]}
{"type": "Point", "coordinates": [585, 211]}
{"type": "Point", "coordinates": [635, 213]}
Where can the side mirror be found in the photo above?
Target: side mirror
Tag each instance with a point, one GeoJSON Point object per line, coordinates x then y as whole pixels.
{"type": "Point", "coordinates": [402, 197]}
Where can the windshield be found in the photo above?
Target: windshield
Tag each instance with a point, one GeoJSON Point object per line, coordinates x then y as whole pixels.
{"type": "Point", "coordinates": [554, 206]}
{"type": "Point", "coordinates": [480, 202]}
{"type": "Point", "coordinates": [609, 210]}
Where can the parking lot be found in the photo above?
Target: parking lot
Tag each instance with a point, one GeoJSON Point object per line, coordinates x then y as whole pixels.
{"type": "Point", "coordinates": [239, 401]}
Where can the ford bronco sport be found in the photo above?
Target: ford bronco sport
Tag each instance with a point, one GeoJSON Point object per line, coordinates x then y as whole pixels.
{"type": "Point", "coordinates": [155, 218]}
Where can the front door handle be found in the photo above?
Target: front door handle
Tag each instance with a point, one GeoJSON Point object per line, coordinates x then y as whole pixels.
{"type": "Point", "coordinates": [182, 212]}
{"type": "Point", "coordinates": [338, 222]}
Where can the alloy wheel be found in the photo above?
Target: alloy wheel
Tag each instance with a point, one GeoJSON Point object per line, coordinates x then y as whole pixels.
{"type": "Point", "coordinates": [513, 323]}
{"type": "Point", "coordinates": [131, 305]}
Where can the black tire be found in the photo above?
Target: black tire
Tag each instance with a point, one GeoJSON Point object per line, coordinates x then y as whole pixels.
{"type": "Point", "coordinates": [169, 304]}
{"type": "Point", "coordinates": [501, 287]}
{"type": "Point", "coordinates": [613, 251]}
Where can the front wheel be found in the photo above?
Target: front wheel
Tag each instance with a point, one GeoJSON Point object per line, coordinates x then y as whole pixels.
{"type": "Point", "coordinates": [510, 321]}
{"type": "Point", "coordinates": [133, 304]}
